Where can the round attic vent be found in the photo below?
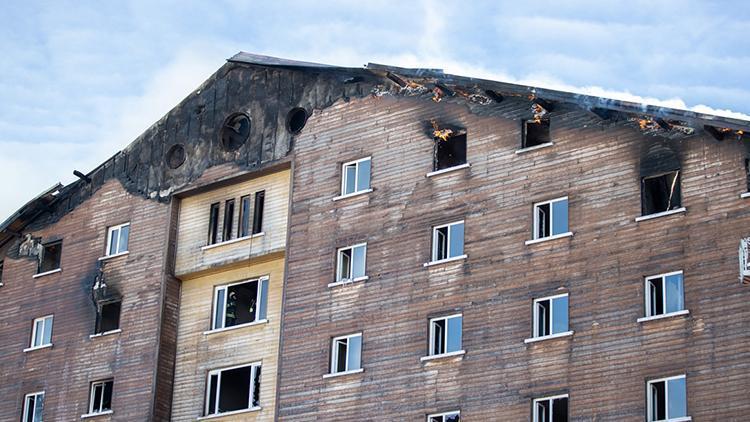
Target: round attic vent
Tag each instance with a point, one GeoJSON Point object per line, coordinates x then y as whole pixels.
{"type": "Point", "coordinates": [175, 156]}
{"type": "Point", "coordinates": [235, 131]}
{"type": "Point", "coordinates": [296, 120]}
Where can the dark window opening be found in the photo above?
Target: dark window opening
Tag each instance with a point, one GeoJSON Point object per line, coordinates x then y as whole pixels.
{"type": "Point", "coordinates": [213, 224]}
{"type": "Point", "coordinates": [341, 352]}
{"type": "Point", "coordinates": [450, 152]}
{"type": "Point", "coordinates": [656, 294]}
{"type": "Point", "coordinates": [535, 133]}
{"type": "Point", "coordinates": [658, 401]}
{"type": "Point", "coordinates": [108, 317]}
{"type": "Point", "coordinates": [50, 257]}
{"type": "Point", "coordinates": [1, 271]}
{"type": "Point", "coordinates": [560, 410]}
{"type": "Point", "coordinates": [242, 302]}
{"type": "Point", "coordinates": [551, 410]}
{"type": "Point", "coordinates": [260, 198]}
{"type": "Point", "coordinates": [747, 174]}
{"type": "Point", "coordinates": [228, 229]}
{"type": "Point", "coordinates": [235, 131]}
{"type": "Point", "coordinates": [543, 216]}
{"type": "Point", "coordinates": [175, 156]}
{"type": "Point", "coordinates": [438, 337]}
{"type": "Point", "coordinates": [543, 315]}
{"type": "Point", "coordinates": [441, 243]}
{"type": "Point", "coordinates": [661, 193]}
{"type": "Point", "coordinates": [244, 221]}
{"type": "Point", "coordinates": [296, 120]}
{"type": "Point", "coordinates": [233, 389]}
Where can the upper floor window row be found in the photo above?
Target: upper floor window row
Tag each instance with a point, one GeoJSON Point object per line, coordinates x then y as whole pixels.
{"type": "Point", "coordinates": [241, 218]}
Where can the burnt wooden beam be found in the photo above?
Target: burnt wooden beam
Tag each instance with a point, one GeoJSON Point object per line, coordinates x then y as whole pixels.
{"type": "Point", "coordinates": [716, 133]}
{"type": "Point", "coordinates": [81, 176]}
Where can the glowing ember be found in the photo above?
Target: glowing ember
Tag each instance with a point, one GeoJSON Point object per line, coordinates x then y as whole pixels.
{"type": "Point", "coordinates": [442, 134]}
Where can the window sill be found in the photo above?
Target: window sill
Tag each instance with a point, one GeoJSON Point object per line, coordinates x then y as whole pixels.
{"type": "Point", "coordinates": [345, 282]}
{"type": "Point", "coordinates": [47, 273]}
{"type": "Point", "coordinates": [535, 147]}
{"type": "Point", "coordinates": [236, 327]}
{"type": "Point", "coordinates": [661, 214]}
{"type": "Point", "coordinates": [104, 258]}
{"type": "Point", "coordinates": [229, 242]}
{"type": "Point", "coordinates": [234, 412]}
{"type": "Point", "coordinates": [544, 239]}
{"type": "Point", "coordinates": [445, 261]}
{"type": "Point", "coordinates": [349, 195]}
{"type": "Point", "coordinates": [341, 374]}
{"type": "Point", "coordinates": [549, 337]}
{"type": "Point", "coordinates": [457, 354]}
{"type": "Point", "coordinates": [662, 316]}
{"type": "Point", "coordinates": [31, 349]}
{"type": "Point", "coordinates": [745, 195]}
{"type": "Point", "coordinates": [106, 333]}
{"type": "Point", "coordinates": [448, 170]}
{"type": "Point", "coordinates": [93, 415]}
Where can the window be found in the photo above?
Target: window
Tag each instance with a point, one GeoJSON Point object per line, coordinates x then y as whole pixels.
{"type": "Point", "coordinates": [551, 315]}
{"type": "Point", "coordinates": [661, 193]}
{"type": "Point", "coordinates": [346, 353]}
{"type": "Point", "coordinates": [41, 332]}
{"type": "Point", "coordinates": [445, 417]}
{"type": "Point", "coordinates": [233, 389]}
{"type": "Point", "coordinates": [245, 213]}
{"type": "Point", "coordinates": [213, 224]}
{"type": "Point", "coordinates": [551, 409]}
{"type": "Point", "coordinates": [227, 229]}
{"type": "Point", "coordinates": [33, 407]}
{"type": "Point", "coordinates": [1, 272]}
{"type": "Point", "coordinates": [50, 260]}
{"type": "Point", "coordinates": [667, 399]}
{"type": "Point", "coordinates": [260, 199]}
{"type": "Point", "coordinates": [535, 133]}
{"type": "Point", "coordinates": [445, 335]}
{"type": "Point", "coordinates": [747, 173]}
{"type": "Point", "coordinates": [351, 263]}
{"type": "Point", "coordinates": [108, 317]}
{"type": "Point", "coordinates": [355, 176]}
{"type": "Point", "coordinates": [551, 218]}
{"type": "Point", "coordinates": [744, 254]}
{"type": "Point", "coordinates": [664, 294]}
{"type": "Point", "coordinates": [117, 239]}
{"type": "Point", "coordinates": [100, 399]}
{"type": "Point", "coordinates": [240, 303]}
{"type": "Point", "coordinates": [450, 152]}
{"type": "Point", "coordinates": [448, 241]}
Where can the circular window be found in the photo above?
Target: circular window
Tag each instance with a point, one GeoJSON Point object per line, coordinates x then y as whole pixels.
{"type": "Point", "coordinates": [296, 120]}
{"type": "Point", "coordinates": [175, 156]}
{"type": "Point", "coordinates": [235, 131]}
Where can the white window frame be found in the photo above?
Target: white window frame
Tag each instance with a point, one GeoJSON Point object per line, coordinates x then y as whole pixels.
{"type": "Point", "coordinates": [551, 313]}
{"type": "Point", "coordinates": [349, 279]}
{"type": "Point", "coordinates": [111, 230]}
{"type": "Point", "coordinates": [444, 414]}
{"type": "Point", "coordinates": [434, 246]}
{"type": "Point", "coordinates": [535, 415]}
{"type": "Point", "coordinates": [43, 319]}
{"type": "Point", "coordinates": [356, 177]}
{"type": "Point", "coordinates": [225, 288]}
{"type": "Point", "coordinates": [93, 411]}
{"type": "Point", "coordinates": [26, 409]}
{"type": "Point", "coordinates": [551, 219]}
{"type": "Point", "coordinates": [430, 351]}
{"type": "Point", "coordinates": [666, 395]}
{"type": "Point", "coordinates": [647, 297]}
{"type": "Point", "coordinates": [218, 371]}
{"type": "Point", "coordinates": [335, 357]}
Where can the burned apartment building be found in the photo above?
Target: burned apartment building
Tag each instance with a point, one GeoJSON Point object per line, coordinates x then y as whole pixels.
{"type": "Point", "coordinates": [297, 241]}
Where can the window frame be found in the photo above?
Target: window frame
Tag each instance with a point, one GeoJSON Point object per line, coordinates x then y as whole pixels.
{"type": "Point", "coordinates": [259, 206]}
{"type": "Point", "coordinates": [206, 397]}
{"type": "Point", "coordinates": [535, 229]}
{"type": "Point", "coordinates": [259, 297]}
{"type": "Point", "coordinates": [350, 279]}
{"type": "Point", "coordinates": [444, 414]}
{"type": "Point", "coordinates": [677, 181]}
{"type": "Point", "coordinates": [25, 414]}
{"type": "Point", "coordinates": [647, 296]}
{"type": "Point", "coordinates": [434, 245]}
{"type": "Point", "coordinates": [535, 316]}
{"type": "Point", "coordinates": [356, 164]}
{"type": "Point", "coordinates": [92, 391]}
{"type": "Point", "coordinates": [430, 349]}
{"type": "Point", "coordinates": [213, 223]}
{"type": "Point", "coordinates": [227, 220]}
{"type": "Point", "coordinates": [535, 416]}
{"type": "Point", "coordinates": [649, 409]}
{"type": "Point", "coordinates": [100, 308]}
{"type": "Point", "coordinates": [44, 319]}
{"type": "Point", "coordinates": [333, 361]}
{"type": "Point", "coordinates": [110, 230]}
{"type": "Point", "coordinates": [39, 271]}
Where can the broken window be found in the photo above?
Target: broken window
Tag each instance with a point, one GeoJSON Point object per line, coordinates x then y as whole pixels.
{"type": "Point", "coordinates": [450, 151]}
{"type": "Point", "coordinates": [33, 407]}
{"type": "Point", "coordinates": [535, 133]}
{"type": "Point", "coordinates": [50, 259]}
{"type": "Point", "coordinates": [117, 239]}
{"type": "Point", "coordinates": [448, 241]}
{"type": "Point", "coordinates": [41, 332]}
{"type": "Point", "coordinates": [100, 400]}
{"type": "Point", "coordinates": [240, 303]}
{"type": "Point", "coordinates": [664, 294]}
{"type": "Point", "coordinates": [227, 228]}
{"type": "Point", "coordinates": [244, 221]}
{"type": "Point", "coordinates": [551, 315]}
{"type": "Point", "coordinates": [445, 417]}
{"type": "Point", "coordinates": [551, 409]}
{"type": "Point", "coordinates": [551, 218]}
{"type": "Point", "coordinates": [667, 399]}
{"type": "Point", "coordinates": [355, 176]}
{"type": "Point", "coordinates": [351, 263]}
{"type": "Point", "coordinates": [661, 193]}
{"type": "Point", "coordinates": [346, 353]}
{"type": "Point", "coordinates": [233, 389]}
{"type": "Point", "coordinates": [213, 224]}
{"type": "Point", "coordinates": [445, 334]}
{"type": "Point", "coordinates": [260, 199]}
{"type": "Point", "coordinates": [108, 317]}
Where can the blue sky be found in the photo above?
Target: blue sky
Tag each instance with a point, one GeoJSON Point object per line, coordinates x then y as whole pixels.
{"type": "Point", "coordinates": [80, 80]}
